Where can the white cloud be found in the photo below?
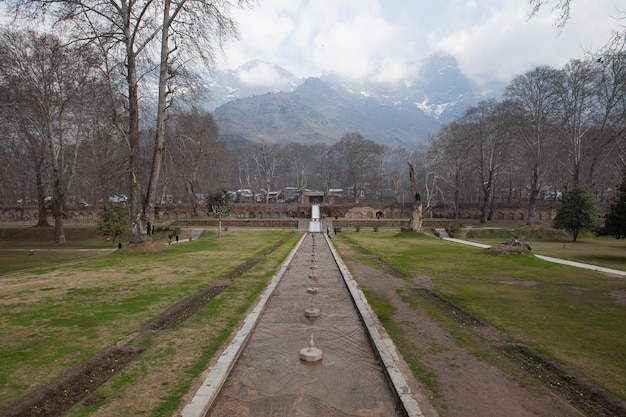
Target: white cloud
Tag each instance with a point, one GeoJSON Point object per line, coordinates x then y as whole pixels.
{"type": "Point", "coordinates": [380, 38]}
{"type": "Point", "coordinates": [260, 75]}
{"type": "Point", "coordinates": [507, 42]}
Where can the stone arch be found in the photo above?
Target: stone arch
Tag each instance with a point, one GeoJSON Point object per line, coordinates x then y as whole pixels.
{"type": "Point", "coordinates": [500, 216]}
{"type": "Point", "coordinates": [510, 215]}
{"type": "Point", "coordinates": [520, 216]}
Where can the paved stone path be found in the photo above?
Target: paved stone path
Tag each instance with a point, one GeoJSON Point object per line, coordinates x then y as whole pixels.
{"type": "Point", "coordinates": [262, 373]}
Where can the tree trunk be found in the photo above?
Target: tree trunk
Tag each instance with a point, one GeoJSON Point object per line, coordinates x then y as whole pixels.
{"type": "Point", "coordinates": [159, 142]}
{"type": "Point", "coordinates": [191, 194]}
{"type": "Point", "coordinates": [484, 211]}
{"type": "Point", "coordinates": [138, 231]}
{"type": "Point", "coordinates": [457, 196]}
{"type": "Point", "coordinates": [415, 220]}
{"type": "Point", "coordinates": [532, 199]}
{"type": "Point", "coordinates": [532, 204]}
{"type": "Point", "coordinates": [59, 231]}
{"type": "Point", "coordinates": [42, 221]}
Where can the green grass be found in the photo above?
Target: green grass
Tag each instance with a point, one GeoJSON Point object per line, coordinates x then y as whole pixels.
{"type": "Point", "coordinates": [602, 251]}
{"type": "Point", "coordinates": [53, 317]}
{"type": "Point", "coordinates": [385, 311]}
{"type": "Point", "coordinates": [545, 305]}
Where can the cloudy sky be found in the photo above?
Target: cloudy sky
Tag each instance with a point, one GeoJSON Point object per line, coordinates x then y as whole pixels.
{"type": "Point", "coordinates": [380, 38]}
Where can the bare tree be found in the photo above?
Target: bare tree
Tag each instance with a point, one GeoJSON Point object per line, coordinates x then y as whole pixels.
{"type": "Point", "coordinates": [25, 150]}
{"type": "Point", "coordinates": [196, 153]}
{"type": "Point", "coordinates": [415, 220]}
{"type": "Point", "coordinates": [608, 136]}
{"type": "Point", "coordinates": [398, 158]}
{"type": "Point", "coordinates": [575, 95]}
{"type": "Point", "coordinates": [296, 158]}
{"type": "Point", "coordinates": [486, 127]}
{"type": "Point", "coordinates": [451, 149]}
{"type": "Point", "coordinates": [536, 100]}
{"type": "Point", "coordinates": [358, 154]}
{"type": "Point", "coordinates": [562, 7]}
{"type": "Point", "coordinates": [244, 178]}
{"type": "Point", "coordinates": [379, 171]}
{"type": "Point", "coordinates": [102, 159]}
{"type": "Point", "coordinates": [124, 31]}
{"type": "Point", "coordinates": [63, 92]}
{"type": "Point", "coordinates": [430, 175]}
{"type": "Point", "coordinates": [266, 159]}
{"type": "Point", "coordinates": [325, 159]}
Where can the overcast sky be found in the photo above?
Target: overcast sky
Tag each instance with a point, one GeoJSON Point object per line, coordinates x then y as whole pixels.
{"type": "Point", "coordinates": [378, 38]}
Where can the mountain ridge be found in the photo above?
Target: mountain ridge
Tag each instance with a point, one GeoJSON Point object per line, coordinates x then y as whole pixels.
{"type": "Point", "coordinates": [263, 103]}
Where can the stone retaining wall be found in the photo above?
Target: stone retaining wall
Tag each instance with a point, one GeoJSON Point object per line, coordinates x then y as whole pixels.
{"type": "Point", "coordinates": [289, 212]}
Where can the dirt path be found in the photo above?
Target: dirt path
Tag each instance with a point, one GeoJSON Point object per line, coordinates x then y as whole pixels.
{"type": "Point", "coordinates": [469, 386]}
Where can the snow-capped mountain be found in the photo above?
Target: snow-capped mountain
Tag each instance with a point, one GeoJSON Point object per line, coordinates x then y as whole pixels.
{"type": "Point", "coordinates": [254, 78]}
{"type": "Point", "coordinates": [261, 102]}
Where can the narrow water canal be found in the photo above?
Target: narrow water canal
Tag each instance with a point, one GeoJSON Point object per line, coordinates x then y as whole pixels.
{"type": "Point", "coordinates": [270, 379]}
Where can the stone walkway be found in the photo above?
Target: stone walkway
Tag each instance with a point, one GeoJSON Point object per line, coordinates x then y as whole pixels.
{"type": "Point", "coordinates": [261, 373]}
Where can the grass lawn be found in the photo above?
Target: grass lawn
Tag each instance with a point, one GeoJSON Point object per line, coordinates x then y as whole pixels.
{"type": "Point", "coordinates": [602, 251]}
{"type": "Point", "coordinates": [55, 316]}
{"type": "Point", "coordinates": [576, 316]}
{"type": "Point", "coordinates": [64, 309]}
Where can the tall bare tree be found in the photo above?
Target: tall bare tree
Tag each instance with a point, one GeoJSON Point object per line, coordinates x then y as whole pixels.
{"type": "Point", "coordinates": [575, 98]}
{"type": "Point", "coordinates": [195, 153]}
{"type": "Point", "coordinates": [326, 167]}
{"type": "Point", "coordinates": [415, 220]}
{"type": "Point", "coordinates": [296, 157]}
{"type": "Point", "coordinates": [266, 159]}
{"type": "Point", "coordinates": [608, 138]}
{"type": "Point", "coordinates": [358, 154]}
{"type": "Point", "coordinates": [25, 150]}
{"type": "Point", "coordinates": [451, 154]}
{"type": "Point", "coordinates": [398, 157]}
{"type": "Point", "coordinates": [536, 100]}
{"type": "Point", "coordinates": [486, 128]}
{"type": "Point", "coordinates": [124, 31]}
{"type": "Point", "coordinates": [62, 88]}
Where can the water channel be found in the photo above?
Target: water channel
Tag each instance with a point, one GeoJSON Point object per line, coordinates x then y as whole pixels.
{"type": "Point", "coordinates": [269, 377]}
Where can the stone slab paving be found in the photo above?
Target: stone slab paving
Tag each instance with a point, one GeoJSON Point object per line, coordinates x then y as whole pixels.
{"type": "Point", "coordinates": [261, 372]}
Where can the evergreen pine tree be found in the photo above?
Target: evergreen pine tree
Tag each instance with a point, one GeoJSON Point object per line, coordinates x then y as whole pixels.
{"type": "Point", "coordinates": [578, 212]}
